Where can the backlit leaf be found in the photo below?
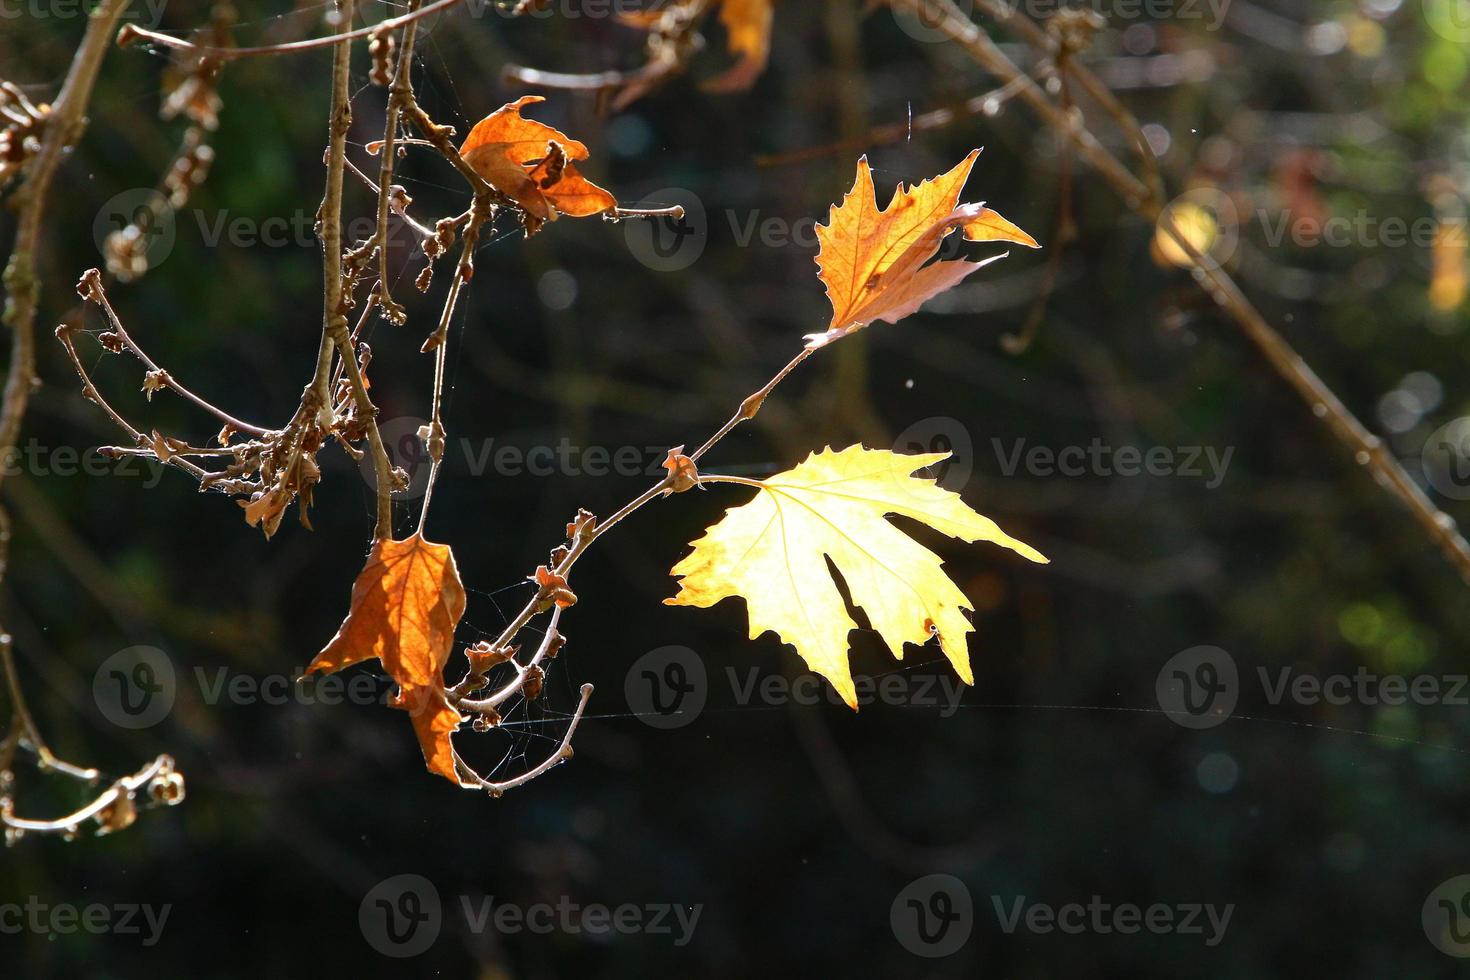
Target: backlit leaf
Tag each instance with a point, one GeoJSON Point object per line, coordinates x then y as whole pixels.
{"type": "Point", "coordinates": [406, 603]}
{"type": "Point", "coordinates": [773, 552]}
{"type": "Point", "coordinates": [534, 164]}
{"type": "Point", "coordinates": [873, 262]}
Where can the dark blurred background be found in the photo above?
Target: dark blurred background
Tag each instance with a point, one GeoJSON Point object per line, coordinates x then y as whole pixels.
{"type": "Point", "coordinates": [795, 829]}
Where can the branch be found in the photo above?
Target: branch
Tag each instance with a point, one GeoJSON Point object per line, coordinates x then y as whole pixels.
{"type": "Point", "coordinates": [672, 40]}
{"type": "Point", "coordinates": [398, 96]}
{"type": "Point", "coordinates": [960, 29]}
{"type": "Point", "coordinates": [62, 128]}
{"type": "Point", "coordinates": [563, 752]}
{"type": "Point", "coordinates": [586, 529]}
{"type": "Point", "coordinates": [92, 279]}
{"type": "Point", "coordinates": [1368, 450]}
{"type": "Point", "coordinates": [131, 34]}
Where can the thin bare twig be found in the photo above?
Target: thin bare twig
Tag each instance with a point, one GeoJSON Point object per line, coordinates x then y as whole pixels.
{"type": "Point", "coordinates": [164, 376]}
{"type": "Point", "coordinates": [63, 128]}
{"type": "Point", "coordinates": [131, 34]}
{"type": "Point", "coordinates": [563, 753]}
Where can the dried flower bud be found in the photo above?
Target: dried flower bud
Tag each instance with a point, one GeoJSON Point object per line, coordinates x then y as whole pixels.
{"type": "Point", "coordinates": [381, 48]}
{"type": "Point", "coordinates": [89, 287]}
{"type": "Point", "coordinates": [534, 681]}
{"type": "Point", "coordinates": [682, 473]}
{"type": "Point", "coordinates": [398, 199]}
{"type": "Point", "coordinates": [167, 788]}
{"type": "Point", "coordinates": [117, 815]}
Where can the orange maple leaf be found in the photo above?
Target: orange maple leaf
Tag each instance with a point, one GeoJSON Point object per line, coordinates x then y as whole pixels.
{"type": "Point", "coordinates": [873, 262]}
{"type": "Point", "coordinates": [406, 603]}
{"type": "Point", "coordinates": [533, 164]}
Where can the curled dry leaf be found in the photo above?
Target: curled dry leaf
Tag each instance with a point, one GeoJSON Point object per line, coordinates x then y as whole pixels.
{"type": "Point", "coordinates": [554, 587]}
{"type": "Point", "coordinates": [406, 604]}
{"type": "Point", "coordinates": [873, 262]}
{"type": "Point", "coordinates": [683, 474]}
{"type": "Point", "coordinates": [773, 552]}
{"type": "Point", "coordinates": [534, 164]}
{"type": "Point", "coordinates": [154, 381]}
{"type": "Point", "coordinates": [295, 481]}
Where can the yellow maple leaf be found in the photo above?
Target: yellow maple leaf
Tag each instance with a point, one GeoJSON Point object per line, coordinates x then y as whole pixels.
{"type": "Point", "coordinates": [773, 552]}
{"type": "Point", "coordinates": [406, 603]}
{"type": "Point", "coordinates": [873, 262]}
